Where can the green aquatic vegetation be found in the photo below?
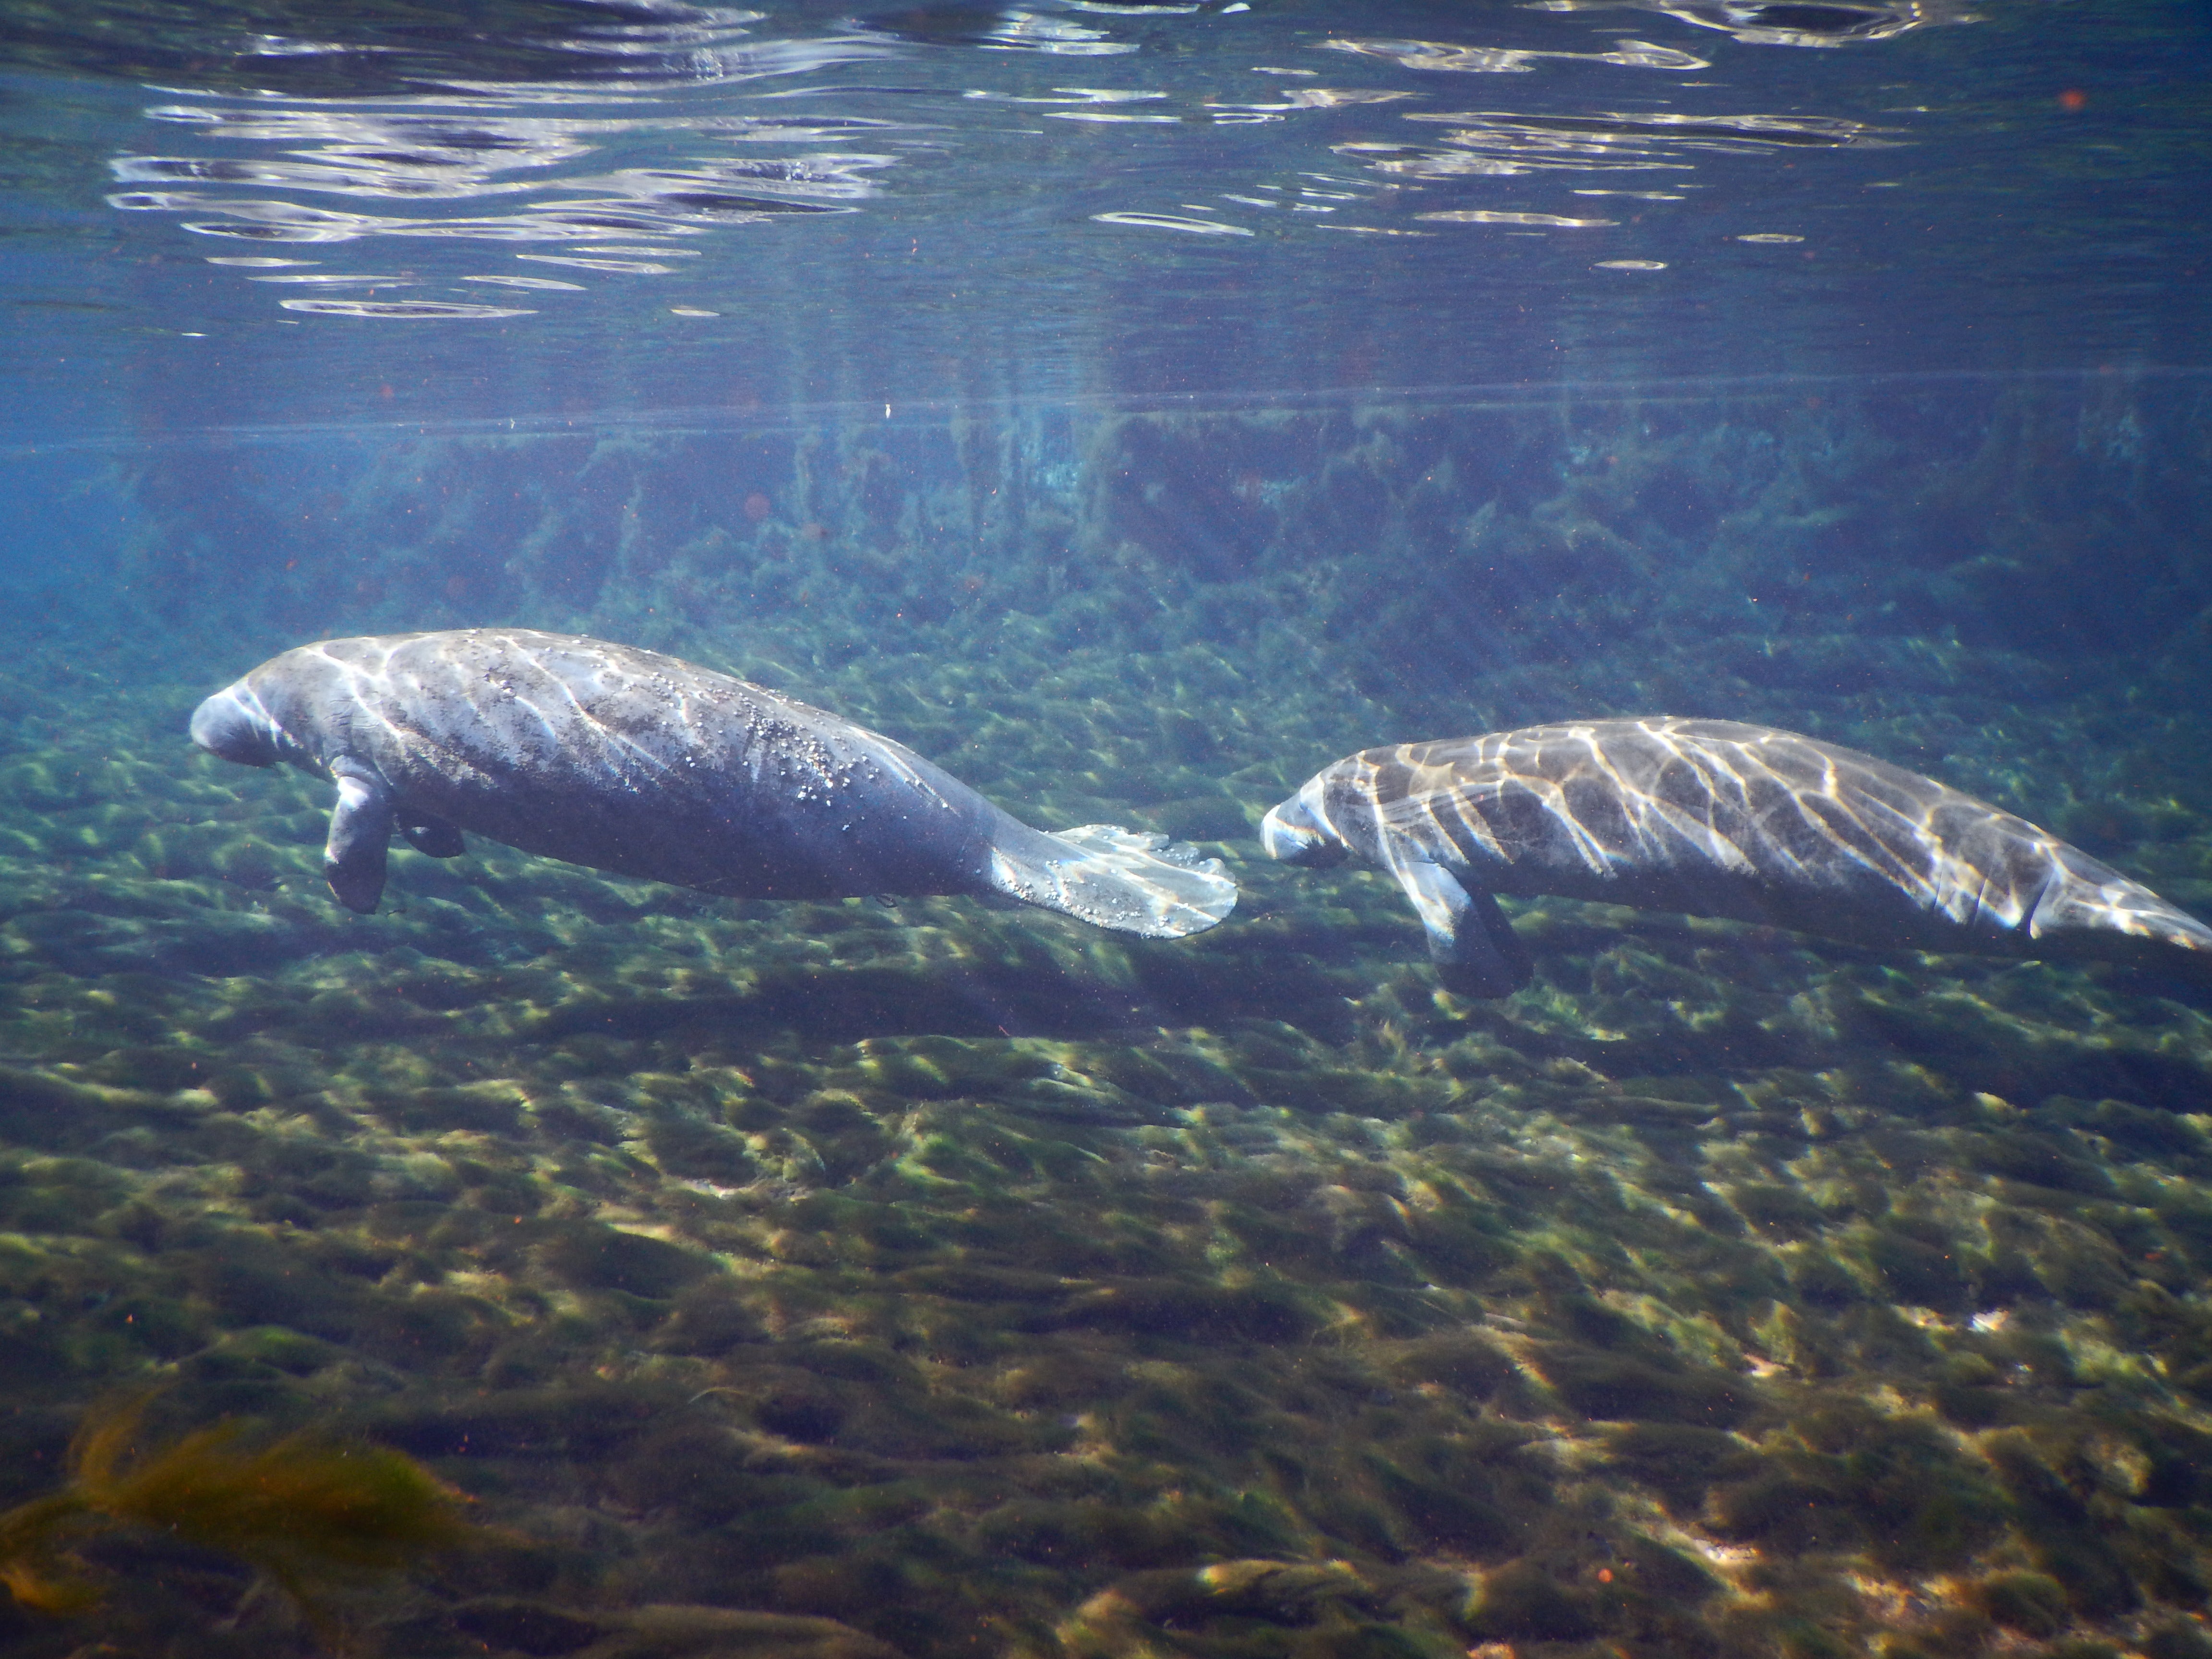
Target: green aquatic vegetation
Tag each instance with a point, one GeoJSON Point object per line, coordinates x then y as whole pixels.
{"type": "Point", "coordinates": [1681, 1462]}
{"type": "Point", "coordinates": [2029, 1602]}
{"type": "Point", "coordinates": [1523, 1603]}
{"type": "Point", "coordinates": [951, 1272]}
{"type": "Point", "coordinates": [305, 1509]}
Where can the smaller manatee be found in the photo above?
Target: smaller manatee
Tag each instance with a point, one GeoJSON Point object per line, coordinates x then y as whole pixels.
{"type": "Point", "coordinates": [1714, 818]}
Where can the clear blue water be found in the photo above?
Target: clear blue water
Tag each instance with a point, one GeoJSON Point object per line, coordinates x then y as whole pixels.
{"type": "Point", "coordinates": [1133, 409]}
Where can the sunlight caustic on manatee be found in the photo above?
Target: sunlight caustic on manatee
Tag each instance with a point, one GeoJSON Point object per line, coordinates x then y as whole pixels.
{"type": "Point", "coordinates": [1718, 818]}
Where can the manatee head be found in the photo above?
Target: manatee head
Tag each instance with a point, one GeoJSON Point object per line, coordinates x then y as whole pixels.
{"type": "Point", "coordinates": [234, 725]}
{"type": "Point", "coordinates": [1297, 833]}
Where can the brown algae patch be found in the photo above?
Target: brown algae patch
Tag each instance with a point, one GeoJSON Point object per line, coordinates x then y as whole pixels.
{"type": "Point", "coordinates": [306, 1511]}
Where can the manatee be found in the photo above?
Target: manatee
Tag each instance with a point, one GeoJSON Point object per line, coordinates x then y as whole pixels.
{"type": "Point", "coordinates": [1713, 818]}
{"type": "Point", "coordinates": [627, 761]}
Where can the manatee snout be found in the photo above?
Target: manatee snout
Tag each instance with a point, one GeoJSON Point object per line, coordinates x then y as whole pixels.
{"type": "Point", "coordinates": [233, 726]}
{"type": "Point", "coordinates": [1294, 833]}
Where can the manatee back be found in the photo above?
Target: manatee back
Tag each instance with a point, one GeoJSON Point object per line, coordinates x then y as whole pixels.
{"type": "Point", "coordinates": [1715, 818]}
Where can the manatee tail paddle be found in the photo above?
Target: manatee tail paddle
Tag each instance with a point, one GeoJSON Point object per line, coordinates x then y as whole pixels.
{"type": "Point", "coordinates": [2086, 902]}
{"type": "Point", "coordinates": [1117, 879]}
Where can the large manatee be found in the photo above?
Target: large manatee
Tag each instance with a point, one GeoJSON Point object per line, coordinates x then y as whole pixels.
{"type": "Point", "coordinates": [1717, 819]}
{"type": "Point", "coordinates": [629, 761]}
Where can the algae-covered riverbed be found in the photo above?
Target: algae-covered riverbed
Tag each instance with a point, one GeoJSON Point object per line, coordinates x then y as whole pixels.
{"type": "Point", "coordinates": [931, 1277]}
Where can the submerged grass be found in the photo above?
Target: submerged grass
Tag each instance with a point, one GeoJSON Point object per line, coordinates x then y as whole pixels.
{"type": "Point", "coordinates": [840, 1278]}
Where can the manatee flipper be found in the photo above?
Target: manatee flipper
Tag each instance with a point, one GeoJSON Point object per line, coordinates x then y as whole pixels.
{"type": "Point", "coordinates": [360, 836]}
{"type": "Point", "coordinates": [1111, 877]}
{"type": "Point", "coordinates": [1476, 951]}
{"type": "Point", "coordinates": [431, 837]}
